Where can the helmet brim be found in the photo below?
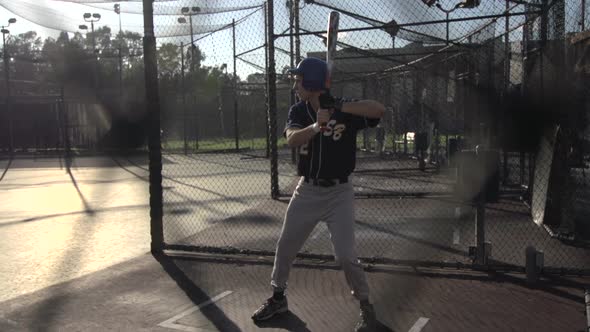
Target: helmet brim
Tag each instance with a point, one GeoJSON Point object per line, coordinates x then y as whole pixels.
{"type": "Point", "coordinates": [295, 71]}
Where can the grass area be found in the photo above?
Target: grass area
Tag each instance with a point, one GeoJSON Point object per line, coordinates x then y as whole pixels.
{"type": "Point", "coordinates": [259, 143]}
{"type": "Point", "coordinates": [219, 144]}
{"type": "Point", "coordinates": [390, 138]}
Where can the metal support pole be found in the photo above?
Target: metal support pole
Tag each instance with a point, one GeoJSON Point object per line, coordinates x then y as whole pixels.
{"type": "Point", "coordinates": [65, 123]}
{"type": "Point", "coordinates": [297, 38]}
{"type": "Point", "coordinates": [8, 101]}
{"type": "Point", "coordinates": [366, 144]}
{"type": "Point", "coordinates": [183, 87]}
{"type": "Point", "coordinates": [220, 103]}
{"type": "Point", "coordinates": [154, 143]}
{"type": "Point", "coordinates": [267, 121]}
{"type": "Point", "coordinates": [94, 57]}
{"type": "Point", "coordinates": [120, 61]}
{"type": "Point", "coordinates": [583, 22]}
{"type": "Point", "coordinates": [193, 80]}
{"type": "Point", "coordinates": [587, 301]}
{"type": "Point", "coordinates": [197, 120]}
{"type": "Point", "coordinates": [481, 257]}
{"type": "Point", "coordinates": [544, 20]}
{"type": "Point", "coordinates": [292, 65]}
{"type": "Point", "coordinates": [190, 18]}
{"type": "Point", "coordinates": [507, 50]}
{"type": "Point", "coordinates": [291, 47]}
{"type": "Point", "coordinates": [544, 31]}
{"type": "Point", "coordinates": [236, 122]}
{"type": "Point", "coordinates": [272, 100]}
{"type": "Point", "coordinates": [447, 37]}
{"type": "Point", "coordinates": [120, 74]}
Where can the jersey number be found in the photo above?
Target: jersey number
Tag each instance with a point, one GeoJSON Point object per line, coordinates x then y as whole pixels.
{"type": "Point", "coordinates": [334, 130]}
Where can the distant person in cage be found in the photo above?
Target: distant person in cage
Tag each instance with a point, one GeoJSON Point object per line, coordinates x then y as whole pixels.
{"type": "Point", "coordinates": [380, 140]}
{"type": "Point", "coordinates": [323, 128]}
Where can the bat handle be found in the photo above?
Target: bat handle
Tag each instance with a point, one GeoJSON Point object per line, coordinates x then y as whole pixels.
{"type": "Point", "coordinates": [323, 127]}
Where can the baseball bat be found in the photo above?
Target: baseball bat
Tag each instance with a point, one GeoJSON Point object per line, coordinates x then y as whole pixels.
{"type": "Point", "coordinates": [331, 39]}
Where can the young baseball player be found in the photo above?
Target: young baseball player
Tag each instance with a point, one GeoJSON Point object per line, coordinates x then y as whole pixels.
{"type": "Point", "coordinates": [323, 129]}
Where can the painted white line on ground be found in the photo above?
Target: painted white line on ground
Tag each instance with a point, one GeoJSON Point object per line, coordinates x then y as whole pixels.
{"type": "Point", "coordinates": [171, 323]}
{"type": "Point", "coordinates": [456, 236]}
{"type": "Point", "coordinates": [419, 325]}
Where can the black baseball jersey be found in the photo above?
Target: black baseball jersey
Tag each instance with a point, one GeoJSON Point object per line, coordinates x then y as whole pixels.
{"type": "Point", "coordinates": [332, 153]}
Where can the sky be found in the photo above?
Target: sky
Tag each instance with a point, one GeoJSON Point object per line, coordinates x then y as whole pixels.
{"type": "Point", "coordinates": [217, 47]}
{"type": "Point", "coordinates": [67, 16]}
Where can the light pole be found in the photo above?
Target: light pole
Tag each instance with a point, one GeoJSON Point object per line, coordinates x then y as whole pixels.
{"type": "Point", "coordinates": [117, 9]}
{"type": "Point", "coordinates": [94, 17]}
{"type": "Point", "coordinates": [190, 11]}
{"type": "Point", "coordinates": [7, 80]}
{"type": "Point", "coordinates": [462, 4]}
{"type": "Point", "coordinates": [221, 84]}
{"type": "Point", "coordinates": [447, 12]}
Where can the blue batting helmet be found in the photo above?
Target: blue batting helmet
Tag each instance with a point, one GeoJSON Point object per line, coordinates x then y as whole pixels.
{"type": "Point", "coordinates": [313, 71]}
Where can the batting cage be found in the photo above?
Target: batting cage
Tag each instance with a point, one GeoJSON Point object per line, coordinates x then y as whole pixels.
{"type": "Point", "coordinates": [479, 160]}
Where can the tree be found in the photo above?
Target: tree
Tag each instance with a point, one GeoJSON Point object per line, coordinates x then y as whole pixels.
{"type": "Point", "coordinates": [26, 44]}
{"type": "Point", "coordinates": [68, 61]}
{"type": "Point", "coordinates": [25, 50]}
{"type": "Point", "coordinates": [169, 60]}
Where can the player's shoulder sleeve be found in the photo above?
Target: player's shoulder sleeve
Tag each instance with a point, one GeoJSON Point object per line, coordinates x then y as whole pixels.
{"type": "Point", "coordinates": [361, 122]}
{"type": "Point", "coordinates": [297, 117]}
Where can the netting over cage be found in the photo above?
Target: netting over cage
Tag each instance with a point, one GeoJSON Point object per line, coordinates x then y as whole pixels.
{"type": "Point", "coordinates": [506, 78]}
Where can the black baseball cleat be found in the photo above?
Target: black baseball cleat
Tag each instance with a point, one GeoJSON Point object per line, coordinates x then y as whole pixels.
{"type": "Point", "coordinates": [270, 308]}
{"type": "Point", "coordinates": [368, 321]}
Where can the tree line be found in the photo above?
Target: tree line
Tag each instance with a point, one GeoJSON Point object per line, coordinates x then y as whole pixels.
{"type": "Point", "coordinates": [94, 61]}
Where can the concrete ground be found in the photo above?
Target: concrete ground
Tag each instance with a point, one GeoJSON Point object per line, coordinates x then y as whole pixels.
{"type": "Point", "coordinates": [75, 257]}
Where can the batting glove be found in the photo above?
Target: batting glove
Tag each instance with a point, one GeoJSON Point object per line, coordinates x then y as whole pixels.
{"type": "Point", "coordinates": [327, 101]}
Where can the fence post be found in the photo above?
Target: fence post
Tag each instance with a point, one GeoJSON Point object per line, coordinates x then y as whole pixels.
{"type": "Point", "coordinates": [587, 301]}
{"type": "Point", "coordinates": [267, 132]}
{"type": "Point", "coordinates": [481, 255]}
{"type": "Point", "coordinates": [292, 64]}
{"type": "Point", "coordinates": [297, 38]}
{"type": "Point", "coordinates": [183, 87]}
{"type": "Point", "coordinates": [66, 125]}
{"type": "Point", "coordinates": [236, 129]}
{"type": "Point", "coordinates": [272, 101]}
{"type": "Point", "coordinates": [153, 108]}
{"type": "Point", "coordinates": [480, 201]}
{"type": "Point", "coordinates": [8, 101]}
{"type": "Point", "coordinates": [583, 28]}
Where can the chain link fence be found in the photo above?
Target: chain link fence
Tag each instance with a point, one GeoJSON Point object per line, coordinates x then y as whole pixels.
{"type": "Point", "coordinates": [482, 152]}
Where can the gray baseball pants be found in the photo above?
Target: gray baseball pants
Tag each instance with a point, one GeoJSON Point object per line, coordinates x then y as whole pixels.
{"type": "Point", "coordinates": [309, 205]}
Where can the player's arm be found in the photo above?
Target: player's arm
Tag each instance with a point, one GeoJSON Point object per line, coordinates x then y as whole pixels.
{"type": "Point", "coordinates": [365, 108]}
{"type": "Point", "coordinates": [296, 137]}
{"type": "Point", "coordinates": [368, 108]}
